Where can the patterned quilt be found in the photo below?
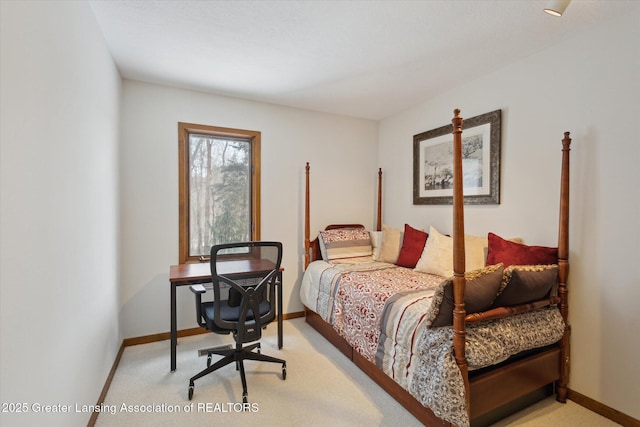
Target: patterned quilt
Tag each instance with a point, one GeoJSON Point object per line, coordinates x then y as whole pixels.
{"type": "Point", "coordinates": [379, 309]}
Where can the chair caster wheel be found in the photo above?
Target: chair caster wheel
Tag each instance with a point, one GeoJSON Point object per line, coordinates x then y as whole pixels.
{"type": "Point", "coordinates": [190, 392]}
{"type": "Point", "coordinates": [244, 398]}
{"type": "Point", "coordinates": [284, 372]}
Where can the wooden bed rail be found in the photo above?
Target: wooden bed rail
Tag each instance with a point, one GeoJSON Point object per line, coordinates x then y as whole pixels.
{"type": "Point", "coordinates": [500, 312]}
{"type": "Point", "coordinates": [311, 246]}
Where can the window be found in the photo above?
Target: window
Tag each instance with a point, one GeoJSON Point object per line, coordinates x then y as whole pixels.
{"type": "Point", "coordinates": [219, 188]}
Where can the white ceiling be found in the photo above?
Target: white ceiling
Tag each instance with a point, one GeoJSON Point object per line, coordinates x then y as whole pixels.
{"type": "Point", "coordinates": [366, 59]}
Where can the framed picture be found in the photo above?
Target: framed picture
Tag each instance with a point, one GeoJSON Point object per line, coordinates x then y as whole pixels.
{"type": "Point", "coordinates": [433, 162]}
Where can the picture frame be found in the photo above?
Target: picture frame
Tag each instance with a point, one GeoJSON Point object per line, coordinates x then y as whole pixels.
{"type": "Point", "coordinates": [433, 162]}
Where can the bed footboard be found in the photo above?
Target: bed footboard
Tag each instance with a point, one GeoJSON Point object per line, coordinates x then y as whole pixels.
{"type": "Point", "coordinates": [497, 387]}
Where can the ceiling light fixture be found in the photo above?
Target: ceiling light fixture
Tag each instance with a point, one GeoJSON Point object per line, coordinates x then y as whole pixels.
{"type": "Point", "coordinates": [557, 7]}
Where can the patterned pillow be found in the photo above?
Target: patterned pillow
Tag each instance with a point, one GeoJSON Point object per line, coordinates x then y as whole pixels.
{"type": "Point", "coordinates": [526, 283]}
{"type": "Point", "coordinates": [480, 291]}
{"type": "Point", "coordinates": [512, 253]}
{"type": "Point", "coordinates": [437, 256]}
{"type": "Point", "coordinates": [391, 243]}
{"type": "Point", "coordinates": [341, 243]}
{"type": "Point", "coordinates": [412, 245]}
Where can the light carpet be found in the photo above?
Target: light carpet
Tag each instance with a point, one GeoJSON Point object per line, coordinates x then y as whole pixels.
{"type": "Point", "coordinates": [322, 388]}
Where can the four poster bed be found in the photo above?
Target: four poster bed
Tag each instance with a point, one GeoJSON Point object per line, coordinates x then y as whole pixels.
{"type": "Point", "coordinates": [453, 345]}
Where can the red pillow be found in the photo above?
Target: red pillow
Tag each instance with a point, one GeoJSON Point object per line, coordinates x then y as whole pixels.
{"type": "Point", "coordinates": [412, 246]}
{"type": "Point", "coordinates": [512, 253]}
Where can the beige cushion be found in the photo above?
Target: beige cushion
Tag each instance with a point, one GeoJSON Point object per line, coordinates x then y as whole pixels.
{"type": "Point", "coordinates": [391, 244]}
{"type": "Point", "coordinates": [376, 243]}
{"type": "Point", "coordinates": [475, 251]}
{"type": "Point", "coordinates": [437, 256]}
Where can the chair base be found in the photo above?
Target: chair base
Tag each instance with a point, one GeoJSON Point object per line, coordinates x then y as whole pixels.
{"type": "Point", "coordinates": [238, 355]}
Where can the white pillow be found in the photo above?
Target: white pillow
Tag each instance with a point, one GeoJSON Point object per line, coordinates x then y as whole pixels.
{"type": "Point", "coordinates": [376, 243]}
{"type": "Point", "coordinates": [437, 256]}
{"type": "Point", "coordinates": [391, 244]}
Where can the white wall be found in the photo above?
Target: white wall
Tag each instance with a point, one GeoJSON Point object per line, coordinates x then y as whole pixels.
{"type": "Point", "coordinates": [587, 85]}
{"type": "Point", "coordinates": [59, 204]}
{"type": "Point", "coordinates": [342, 151]}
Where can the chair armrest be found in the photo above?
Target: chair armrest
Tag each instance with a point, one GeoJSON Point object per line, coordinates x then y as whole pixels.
{"type": "Point", "coordinates": [197, 289]}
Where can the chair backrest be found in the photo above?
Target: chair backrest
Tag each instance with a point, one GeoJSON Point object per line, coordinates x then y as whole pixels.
{"type": "Point", "coordinates": [255, 289]}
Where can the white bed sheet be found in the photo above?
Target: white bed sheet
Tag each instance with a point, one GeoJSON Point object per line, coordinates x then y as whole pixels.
{"type": "Point", "coordinates": [310, 285]}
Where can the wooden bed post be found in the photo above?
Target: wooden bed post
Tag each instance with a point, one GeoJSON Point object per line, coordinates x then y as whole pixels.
{"type": "Point", "coordinates": [379, 223]}
{"type": "Point", "coordinates": [459, 312]}
{"type": "Point", "coordinates": [307, 231]}
{"type": "Point", "coordinates": [563, 269]}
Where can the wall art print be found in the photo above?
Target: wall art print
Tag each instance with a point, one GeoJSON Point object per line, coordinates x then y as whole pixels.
{"type": "Point", "coordinates": [433, 162]}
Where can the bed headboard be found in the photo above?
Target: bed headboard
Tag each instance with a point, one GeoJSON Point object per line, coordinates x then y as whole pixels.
{"type": "Point", "coordinates": [312, 247]}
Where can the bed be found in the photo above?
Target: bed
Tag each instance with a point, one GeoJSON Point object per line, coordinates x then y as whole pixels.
{"type": "Point", "coordinates": [461, 330]}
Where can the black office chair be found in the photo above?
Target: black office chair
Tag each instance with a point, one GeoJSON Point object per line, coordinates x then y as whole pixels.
{"type": "Point", "coordinates": [250, 306]}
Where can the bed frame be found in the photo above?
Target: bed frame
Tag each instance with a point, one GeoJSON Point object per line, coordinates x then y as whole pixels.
{"type": "Point", "coordinates": [494, 392]}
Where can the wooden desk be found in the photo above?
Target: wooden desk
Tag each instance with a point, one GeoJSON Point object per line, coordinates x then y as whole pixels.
{"type": "Point", "coordinates": [191, 274]}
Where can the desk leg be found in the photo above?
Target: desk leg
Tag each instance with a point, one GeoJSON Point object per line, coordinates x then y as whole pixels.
{"type": "Point", "coordinates": [280, 344]}
{"type": "Point", "coordinates": [174, 327]}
